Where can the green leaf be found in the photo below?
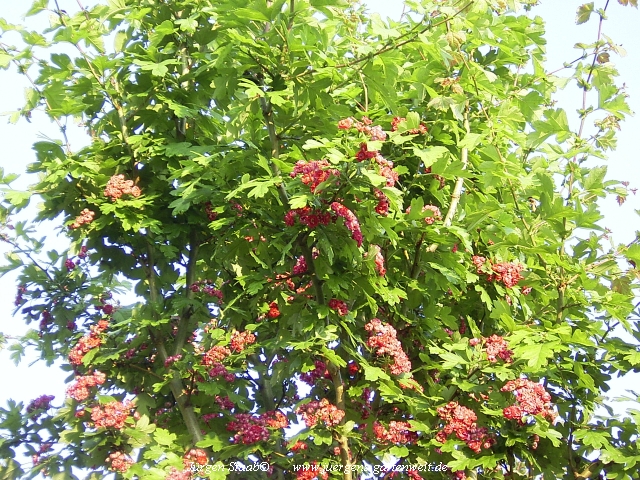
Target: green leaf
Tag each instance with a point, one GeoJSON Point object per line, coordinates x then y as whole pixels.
{"type": "Point", "coordinates": [164, 437]}
{"type": "Point", "coordinates": [584, 13]}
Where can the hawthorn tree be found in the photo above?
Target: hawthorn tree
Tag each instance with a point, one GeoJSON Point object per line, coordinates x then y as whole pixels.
{"type": "Point", "coordinates": [354, 243]}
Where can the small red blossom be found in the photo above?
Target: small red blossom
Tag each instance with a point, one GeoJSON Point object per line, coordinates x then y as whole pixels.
{"type": "Point", "coordinates": [319, 371]}
{"type": "Point", "coordinates": [85, 217]}
{"type": "Point", "coordinates": [497, 347]}
{"type": "Point", "coordinates": [531, 399]}
{"type": "Point", "coordinates": [314, 172]}
{"type": "Point", "coordinates": [300, 267]}
{"type": "Point", "coordinates": [462, 421]}
{"type": "Point", "coordinates": [111, 415]}
{"type": "Point", "coordinates": [379, 261]}
{"type": "Point", "coordinates": [339, 306]}
{"type": "Point", "coordinates": [239, 340]}
{"type": "Point", "coordinates": [298, 446]}
{"type": "Point", "coordinates": [398, 433]}
{"type": "Point", "coordinates": [120, 462]}
{"type": "Point", "coordinates": [346, 123]}
{"type": "Point", "coordinates": [273, 312]}
{"type": "Point", "coordinates": [382, 208]}
{"type": "Point", "coordinates": [217, 353]}
{"type": "Point", "coordinates": [249, 429]}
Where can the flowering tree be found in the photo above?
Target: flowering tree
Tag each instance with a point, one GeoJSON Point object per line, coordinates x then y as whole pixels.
{"type": "Point", "coordinates": [355, 243]}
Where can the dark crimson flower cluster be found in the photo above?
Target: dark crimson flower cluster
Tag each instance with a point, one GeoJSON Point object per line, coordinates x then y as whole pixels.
{"type": "Point", "coordinates": [273, 312]}
{"type": "Point", "coordinates": [320, 371]}
{"type": "Point", "coordinates": [211, 214]}
{"type": "Point", "coordinates": [462, 421]}
{"type": "Point", "coordinates": [300, 267]}
{"type": "Point", "coordinates": [320, 411]}
{"type": "Point", "coordinates": [207, 287]}
{"type": "Point", "coordinates": [248, 429]}
{"type": "Point", "coordinates": [382, 337]}
{"type": "Point", "coordinates": [382, 208]}
{"type": "Point", "coordinates": [307, 216]}
{"type": "Point", "coordinates": [39, 406]}
{"type": "Point", "coordinates": [339, 306]}
{"type": "Point", "coordinates": [314, 172]}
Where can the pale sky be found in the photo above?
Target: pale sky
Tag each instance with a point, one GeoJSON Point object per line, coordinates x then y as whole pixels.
{"type": "Point", "coordinates": [28, 382]}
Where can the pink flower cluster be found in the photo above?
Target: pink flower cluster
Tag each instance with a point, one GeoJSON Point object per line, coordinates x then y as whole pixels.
{"type": "Point", "coordinates": [217, 353]}
{"type": "Point", "coordinates": [111, 415]}
{"type": "Point", "coordinates": [298, 446]}
{"type": "Point", "coordinates": [386, 170]}
{"type": "Point", "coordinates": [275, 419]}
{"type": "Point", "coordinates": [240, 340]}
{"type": "Point", "coordinates": [171, 360]}
{"type": "Point", "coordinates": [374, 133]}
{"type": "Point", "coordinates": [496, 347]}
{"type": "Point", "coordinates": [312, 472]}
{"type": "Point", "coordinates": [506, 272]}
{"type": "Point", "coordinates": [175, 474]}
{"type": "Point", "coordinates": [314, 172]}
{"type": "Point", "coordinates": [80, 389]}
{"type": "Point", "coordinates": [219, 370]}
{"type": "Point", "coordinates": [462, 421]}
{"type": "Point", "coordinates": [339, 306]}
{"type": "Point", "coordinates": [531, 399]}
{"type": "Point", "coordinates": [86, 216]}
{"type": "Point", "coordinates": [118, 186]}
{"type": "Point", "coordinates": [398, 433]}
{"type": "Point", "coordinates": [350, 221]}
{"type": "Point", "coordinates": [320, 371]}
{"type": "Point", "coordinates": [87, 343]}
{"type": "Point", "coordinates": [382, 337]}
{"type": "Point", "coordinates": [248, 429]}
{"type": "Point", "coordinates": [120, 461]}
{"type": "Point", "coordinates": [421, 130]}
{"type": "Point", "coordinates": [224, 403]}
{"type": "Point", "coordinates": [320, 411]}
{"type": "Point", "coordinates": [307, 216]}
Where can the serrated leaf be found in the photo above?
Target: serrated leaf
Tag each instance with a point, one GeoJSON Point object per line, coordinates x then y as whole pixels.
{"type": "Point", "coordinates": [584, 13]}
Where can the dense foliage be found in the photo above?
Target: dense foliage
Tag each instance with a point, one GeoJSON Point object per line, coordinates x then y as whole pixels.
{"type": "Point", "coordinates": [354, 243]}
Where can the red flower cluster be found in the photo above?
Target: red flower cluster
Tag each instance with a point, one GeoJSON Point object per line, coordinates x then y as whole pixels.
{"type": "Point", "coordinates": [112, 415]}
{"type": "Point", "coordinates": [350, 221]}
{"type": "Point", "coordinates": [307, 216]}
{"type": "Point", "coordinates": [320, 371]}
{"type": "Point", "coordinates": [87, 342]}
{"type": "Point", "coordinates": [398, 433]}
{"type": "Point", "coordinates": [249, 429]}
{"type": "Point", "coordinates": [215, 354]}
{"type": "Point", "coordinates": [120, 462]}
{"type": "Point", "coordinates": [382, 337]}
{"type": "Point", "coordinates": [171, 360]}
{"type": "Point", "coordinates": [365, 154]}
{"type": "Point", "coordinates": [39, 405]}
{"type": "Point", "coordinates": [314, 172]}
{"type": "Point", "coordinates": [194, 456]}
{"type": "Point", "coordinates": [312, 472]}
{"type": "Point", "coordinates": [436, 214]}
{"type": "Point", "coordinates": [506, 272]}
{"type": "Point", "coordinates": [86, 216]}
{"type": "Point", "coordinates": [239, 340]}
{"type": "Point", "coordinates": [118, 186]}
{"type": "Point", "coordinates": [462, 421]}
{"type": "Point", "coordinates": [320, 411]}
{"type": "Point", "coordinates": [421, 130]}
{"type": "Point", "coordinates": [531, 399]}
{"type": "Point", "coordinates": [273, 312]}
{"type": "Point", "coordinates": [298, 446]}
{"type": "Point", "coordinates": [339, 306]}
{"type": "Point", "coordinates": [382, 208]}
{"type": "Point", "coordinates": [301, 266]}
{"type": "Point", "coordinates": [80, 389]}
